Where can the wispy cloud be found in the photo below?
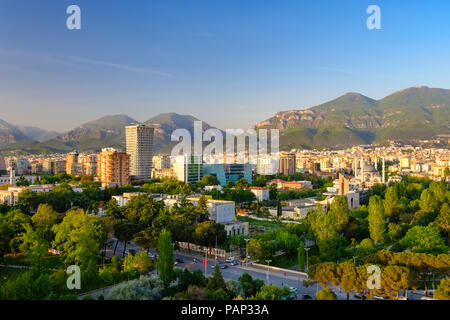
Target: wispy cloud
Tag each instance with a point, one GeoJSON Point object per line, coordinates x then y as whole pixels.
{"type": "Point", "coordinates": [75, 62]}
{"type": "Point", "coordinates": [119, 66]}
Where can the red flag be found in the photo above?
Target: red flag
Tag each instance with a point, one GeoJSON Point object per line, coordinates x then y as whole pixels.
{"type": "Point", "coordinates": [204, 262]}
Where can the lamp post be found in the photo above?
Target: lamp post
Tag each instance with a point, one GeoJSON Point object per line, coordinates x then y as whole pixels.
{"type": "Point", "coordinates": [307, 262]}
{"type": "Point", "coordinates": [246, 249]}
{"type": "Point", "coordinates": [268, 264]}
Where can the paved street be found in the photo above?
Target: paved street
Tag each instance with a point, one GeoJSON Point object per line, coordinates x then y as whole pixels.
{"type": "Point", "coordinates": [291, 279]}
{"type": "Point", "coordinates": [234, 272]}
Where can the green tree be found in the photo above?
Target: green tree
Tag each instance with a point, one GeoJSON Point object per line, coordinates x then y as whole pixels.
{"type": "Point", "coordinates": [443, 290]}
{"type": "Point", "coordinates": [443, 221]}
{"type": "Point", "coordinates": [424, 239]}
{"type": "Point", "coordinates": [34, 245]}
{"type": "Point", "coordinates": [272, 292]}
{"type": "Point", "coordinates": [242, 184]}
{"type": "Point", "coordinates": [165, 259]}
{"type": "Point", "coordinates": [339, 208]}
{"type": "Point", "coordinates": [255, 247]}
{"type": "Point", "coordinates": [325, 294]}
{"type": "Point", "coordinates": [30, 285]}
{"type": "Point", "coordinates": [5, 236]}
{"type": "Point", "coordinates": [79, 236]}
{"type": "Point", "coordinates": [395, 231]}
{"type": "Point", "coordinates": [273, 192]}
{"type": "Point", "coordinates": [210, 180]}
{"type": "Point", "coordinates": [324, 226]}
{"type": "Point", "coordinates": [207, 232]}
{"type": "Point", "coordinates": [287, 241]}
{"type": "Point", "coordinates": [279, 209]}
{"type": "Point", "coordinates": [394, 279]}
{"type": "Point", "coordinates": [348, 276]}
{"type": "Point", "coordinates": [140, 263]}
{"type": "Point", "coordinates": [144, 288]}
{"type": "Point", "coordinates": [301, 256]}
{"type": "Point", "coordinates": [216, 281]}
{"type": "Point", "coordinates": [250, 286]}
{"type": "Point", "coordinates": [428, 201]}
{"type": "Point", "coordinates": [377, 224]}
{"type": "Point", "coordinates": [327, 273]}
{"type": "Point", "coordinates": [391, 202]}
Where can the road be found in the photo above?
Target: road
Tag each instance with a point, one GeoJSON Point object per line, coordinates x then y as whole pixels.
{"type": "Point", "coordinates": [234, 272]}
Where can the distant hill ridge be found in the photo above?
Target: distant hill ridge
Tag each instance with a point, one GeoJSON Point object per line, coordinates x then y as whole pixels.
{"type": "Point", "coordinates": [412, 113]}
{"type": "Point", "coordinates": [351, 119]}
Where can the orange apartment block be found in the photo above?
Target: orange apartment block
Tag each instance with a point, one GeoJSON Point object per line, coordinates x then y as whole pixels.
{"type": "Point", "coordinates": [113, 167]}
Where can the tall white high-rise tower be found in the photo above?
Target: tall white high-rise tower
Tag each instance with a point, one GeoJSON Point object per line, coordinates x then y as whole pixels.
{"type": "Point", "coordinates": [139, 140]}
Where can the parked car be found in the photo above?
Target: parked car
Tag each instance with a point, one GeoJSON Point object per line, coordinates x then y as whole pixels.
{"type": "Point", "coordinates": [306, 297]}
{"type": "Point", "coordinates": [360, 296]}
{"type": "Point", "coordinates": [234, 263]}
{"type": "Point", "coordinates": [223, 266]}
{"type": "Point", "coordinates": [290, 297]}
{"type": "Point", "coordinates": [229, 260]}
{"type": "Point", "coordinates": [179, 260]}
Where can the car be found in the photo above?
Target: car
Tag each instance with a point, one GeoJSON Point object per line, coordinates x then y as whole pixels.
{"type": "Point", "coordinates": [306, 297]}
{"type": "Point", "coordinates": [234, 263]}
{"type": "Point", "coordinates": [290, 297]}
{"type": "Point", "coordinates": [179, 260]}
{"type": "Point", "coordinates": [223, 266]}
{"type": "Point", "coordinates": [213, 266]}
{"type": "Point", "coordinates": [360, 296]}
{"type": "Point", "coordinates": [229, 260]}
{"type": "Point", "coordinates": [293, 289]}
{"type": "Point", "coordinates": [153, 255]}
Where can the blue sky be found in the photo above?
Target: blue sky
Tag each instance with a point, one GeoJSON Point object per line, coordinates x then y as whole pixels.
{"type": "Point", "coordinates": [230, 63]}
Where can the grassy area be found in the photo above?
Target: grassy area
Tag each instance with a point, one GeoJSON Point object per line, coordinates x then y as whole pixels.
{"type": "Point", "coordinates": [254, 222]}
{"type": "Point", "coordinates": [21, 260]}
{"type": "Point", "coordinates": [9, 273]}
{"type": "Point", "coordinates": [282, 261]}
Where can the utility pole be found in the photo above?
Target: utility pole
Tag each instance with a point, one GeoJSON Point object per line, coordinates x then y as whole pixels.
{"type": "Point", "coordinates": [307, 262]}
{"type": "Point", "coordinates": [246, 249]}
{"type": "Point", "coordinates": [206, 260]}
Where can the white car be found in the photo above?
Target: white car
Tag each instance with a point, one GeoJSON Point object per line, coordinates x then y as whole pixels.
{"type": "Point", "coordinates": [229, 260]}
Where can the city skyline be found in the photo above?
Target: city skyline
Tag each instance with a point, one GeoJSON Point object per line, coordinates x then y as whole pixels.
{"type": "Point", "coordinates": [251, 60]}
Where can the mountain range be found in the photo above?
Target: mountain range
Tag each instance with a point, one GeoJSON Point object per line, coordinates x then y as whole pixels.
{"type": "Point", "coordinates": [351, 119]}
{"type": "Point", "coordinates": [354, 119]}
{"type": "Point", "coordinates": [108, 131]}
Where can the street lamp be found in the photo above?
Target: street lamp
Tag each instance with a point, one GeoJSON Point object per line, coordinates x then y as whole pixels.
{"type": "Point", "coordinates": [307, 262]}
{"type": "Point", "coordinates": [246, 248]}
{"type": "Point", "coordinates": [268, 264]}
